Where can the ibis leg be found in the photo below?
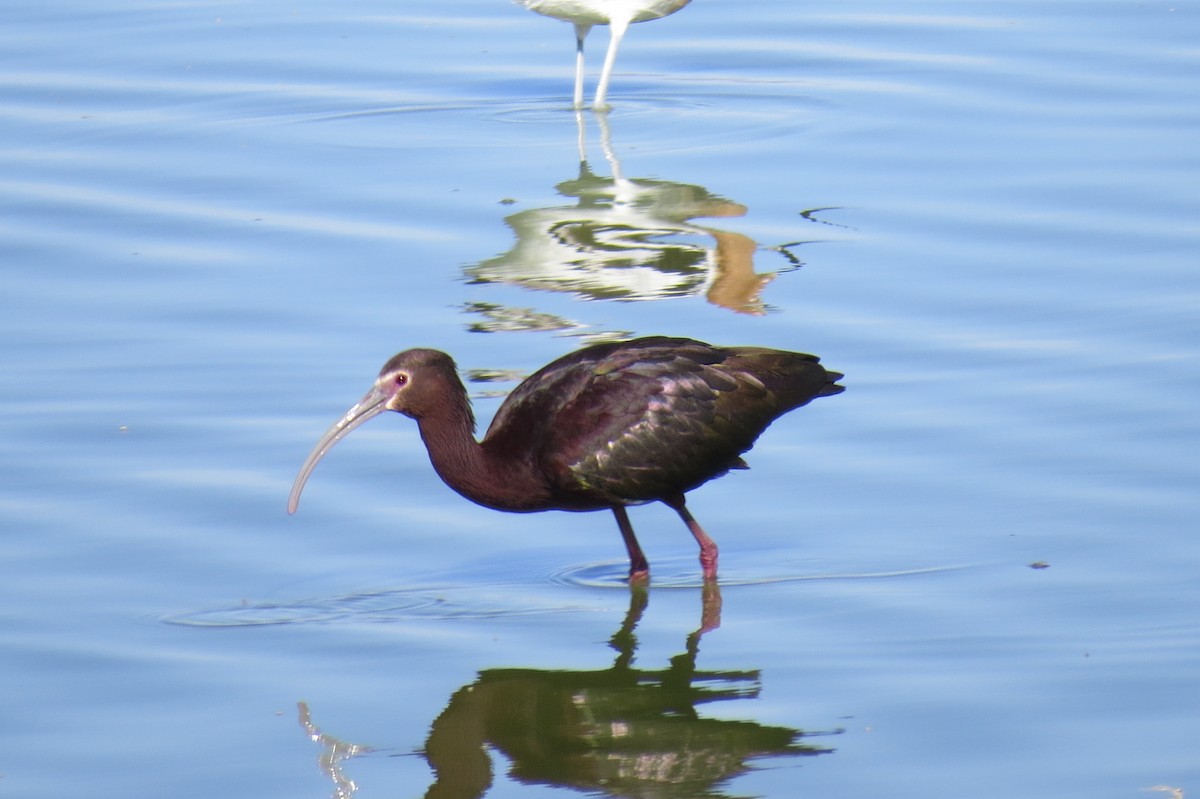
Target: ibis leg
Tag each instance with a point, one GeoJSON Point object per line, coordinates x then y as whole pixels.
{"type": "Point", "coordinates": [639, 569]}
{"type": "Point", "coordinates": [708, 547]}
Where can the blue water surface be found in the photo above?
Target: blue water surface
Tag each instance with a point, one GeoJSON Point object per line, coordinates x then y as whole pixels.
{"type": "Point", "coordinates": [974, 571]}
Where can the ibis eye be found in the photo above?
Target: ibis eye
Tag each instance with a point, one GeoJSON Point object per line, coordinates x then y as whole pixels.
{"type": "Point", "coordinates": [400, 379]}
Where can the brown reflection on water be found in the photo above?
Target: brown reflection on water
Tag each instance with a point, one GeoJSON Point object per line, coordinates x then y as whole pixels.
{"type": "Point", "coordinates": [619, 731]}
{"type": "Point", "coordinates": [627, 239]}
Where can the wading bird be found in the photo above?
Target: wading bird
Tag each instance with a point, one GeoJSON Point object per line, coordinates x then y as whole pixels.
{"type": "Point", "coordinates": [605, 427]}
{"type": "Point", "coordinates": [616, 14]}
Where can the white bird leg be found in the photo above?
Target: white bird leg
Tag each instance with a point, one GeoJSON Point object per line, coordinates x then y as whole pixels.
{"type": "Point", "coordinates": [618, 26]}
{"type": "Point", "coordinates": [581, 32]}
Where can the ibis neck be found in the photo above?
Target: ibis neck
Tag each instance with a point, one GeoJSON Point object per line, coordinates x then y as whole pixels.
{"type": "Point", "coordinates": [474, 471]}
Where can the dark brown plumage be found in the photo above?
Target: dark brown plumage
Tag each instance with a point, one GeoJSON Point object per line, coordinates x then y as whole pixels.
{"type": "Point", "coordinates": [604, 427]}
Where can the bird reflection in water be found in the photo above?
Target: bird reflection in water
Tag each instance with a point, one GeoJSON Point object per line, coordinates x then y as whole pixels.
{"type": "Point", "coordinates": [620, 731]}
{"type": "Point", "coordinates": [333, 752]}
{"type": "Point", "coordinates": [630, 239]}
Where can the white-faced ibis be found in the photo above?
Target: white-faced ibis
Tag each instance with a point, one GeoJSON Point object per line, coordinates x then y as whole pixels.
{"type": "Point", "coordinates": [616, 14]}
{"type": "Point", "coordinates": [605, 427]}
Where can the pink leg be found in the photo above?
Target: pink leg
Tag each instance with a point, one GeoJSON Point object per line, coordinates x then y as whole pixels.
{"type": "Point", "coordinates": [639, 568]}
{"type": "Point", "coordinates": [708, 547]}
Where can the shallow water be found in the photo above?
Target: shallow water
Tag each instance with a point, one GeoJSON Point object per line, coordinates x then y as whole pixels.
{"type": "Point", "coordinates": [975, 570]}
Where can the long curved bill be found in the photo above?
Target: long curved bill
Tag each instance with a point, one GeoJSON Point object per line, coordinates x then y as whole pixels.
{"type": "Point", "coordinates": [370, 406]}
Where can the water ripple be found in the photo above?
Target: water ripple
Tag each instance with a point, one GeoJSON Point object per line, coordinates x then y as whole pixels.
{"type": "Point", "coordinates": [503, 600]}
{"type": "Point", "coordinates": [684, 573]}
{"type": "Point", "coordinates": [463, 602]}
